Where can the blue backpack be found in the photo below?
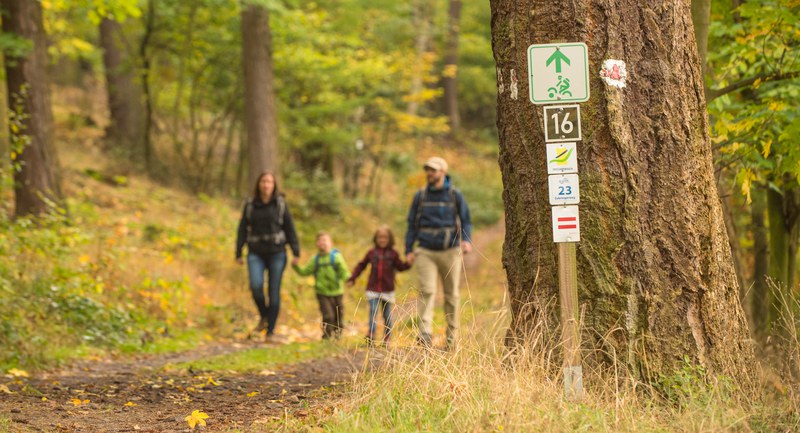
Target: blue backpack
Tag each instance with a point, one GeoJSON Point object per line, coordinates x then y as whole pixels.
{"type": "Point", "coordinates": [334, 264]}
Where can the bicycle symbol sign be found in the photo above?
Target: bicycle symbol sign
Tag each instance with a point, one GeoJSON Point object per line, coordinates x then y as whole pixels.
{"type": "Point", "coordinates": [558, 73]}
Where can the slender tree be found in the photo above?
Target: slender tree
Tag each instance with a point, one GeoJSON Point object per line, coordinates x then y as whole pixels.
{"type": "Point", "coordinates": [5, 143]}
{"type": "Point", "coordinates": [260, 113]}
{"type": "Point", "coordinates": [125, 133]}
{"type": "Point", "coordinates": [656, 276]}
{"type": "Point", "coordinates": [422, 38]}
{"type": "Point", "coordinates": [451, 67]}
{"type": "Point", "coordinates": [36, 181]}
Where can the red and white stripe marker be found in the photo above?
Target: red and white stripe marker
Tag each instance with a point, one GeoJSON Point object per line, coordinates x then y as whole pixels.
{"type": "Point", "coordinates": [566, 224]}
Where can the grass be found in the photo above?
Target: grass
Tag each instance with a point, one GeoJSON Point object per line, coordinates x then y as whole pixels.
{"type": "Point", "coordinates": [255, 360]}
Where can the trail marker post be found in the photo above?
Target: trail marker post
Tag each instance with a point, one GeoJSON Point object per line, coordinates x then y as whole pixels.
{"type": "Point", "coordinates": [559, 73]}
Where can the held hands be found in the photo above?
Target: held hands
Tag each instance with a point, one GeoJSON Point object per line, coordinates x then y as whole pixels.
{"type": "Point", "coordinates": [350, 283]}
{"type": "Point", "coordinates": [410, 258]}
{"type": "Point", "coordinates": [466, 247]}
{"type": "Point", "coordinates": [295, 261]}
{"type": "Point", "coordinates": [240, 260]}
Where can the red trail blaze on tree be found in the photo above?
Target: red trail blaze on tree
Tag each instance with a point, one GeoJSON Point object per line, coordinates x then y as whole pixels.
{"type": "Point", "coordinates": [656, 276]}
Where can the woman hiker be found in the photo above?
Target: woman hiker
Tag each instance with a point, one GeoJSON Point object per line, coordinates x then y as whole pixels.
{"type": "Point", "coordinates": [267, 227]}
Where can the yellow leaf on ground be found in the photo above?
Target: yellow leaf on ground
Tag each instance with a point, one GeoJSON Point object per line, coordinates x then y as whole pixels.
{"type": "Point", "coordinates": [212, 381]}
{"type": "Point", "coordinates": [252, 394]}
{"type": "Point", "coordinates": [18, 373]}
{"type": "Point", "coordinates": [4, 389]}
{"type": "Point", "coordinates": [78, 402]}
{"type": "Point", "coordinates": [196, 418]}
{"type": "Point", "coordinates": [130, 404]}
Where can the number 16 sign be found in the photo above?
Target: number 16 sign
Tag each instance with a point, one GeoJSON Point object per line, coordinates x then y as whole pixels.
{"type": "Point", "coordinates": [562, 123]}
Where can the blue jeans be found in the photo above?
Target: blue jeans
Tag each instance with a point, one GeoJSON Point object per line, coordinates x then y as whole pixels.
{"type": "Point", "coordinates": [274, 265]}
{"type": "Point", "coordinates": [386, 309]}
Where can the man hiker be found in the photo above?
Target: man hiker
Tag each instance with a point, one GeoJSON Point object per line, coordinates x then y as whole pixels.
{"type": "Point", "coordinates": [439, 221]}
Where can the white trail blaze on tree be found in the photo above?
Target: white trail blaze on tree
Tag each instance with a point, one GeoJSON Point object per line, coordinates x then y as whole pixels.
{"type": "Point", "coordinates": [656, 275]}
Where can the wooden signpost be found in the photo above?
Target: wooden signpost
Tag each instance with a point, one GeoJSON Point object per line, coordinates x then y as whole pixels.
{"type": "Point", "coordinates": [559, 73]}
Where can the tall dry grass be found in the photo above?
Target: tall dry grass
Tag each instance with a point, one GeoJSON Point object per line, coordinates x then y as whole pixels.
{"type": "Point", "coordinates": [479, 388]}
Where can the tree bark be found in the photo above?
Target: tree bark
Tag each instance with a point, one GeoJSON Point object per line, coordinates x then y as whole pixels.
{"type": "Point", "coordinates": [5, 143]}
{"type": "Point", "coordinates": [144, 47]}
{"type": "Point", "coordinates": [125, 133]}
{"type": "Point", "coordinates": [36, 183]}
{"type": "Point", "coordinates": [760, 297]}
{"type": "Point", "coordinates": [656, 276]}
{"type": "Point", "coordinates": [260, 115]}
{"type": "Point", "coordinates": [451, 67]}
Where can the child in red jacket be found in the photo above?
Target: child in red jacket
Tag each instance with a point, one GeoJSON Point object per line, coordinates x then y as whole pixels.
{"type": "Point", "coordinates": [385, 262]}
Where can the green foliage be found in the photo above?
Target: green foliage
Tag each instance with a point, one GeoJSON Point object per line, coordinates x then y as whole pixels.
{"type": "Point", "coordinates": [13, 46]}
{"type": "Point", "coordinates": [692, 384]}
{"type": "Point", "coordinates": [485, 202]}
{"type": "Point", "coordinates": [755, 127]}
{"type": "Point", "coordinates": [317, 194]}
{"type": "Point", "coordinates": [71, 25]}
{"type": "Point", "coordinates": [47, 302]}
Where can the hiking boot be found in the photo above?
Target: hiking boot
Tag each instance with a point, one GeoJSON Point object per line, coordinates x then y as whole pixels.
{"type": "Point", "coordinates": [425, 340]}
{"type": "Point", "coordinates": [369, 340]}
{"type": "Point", "coordinates": [274, 339]}
{"type": "Point", "coordinates": [261, 327]}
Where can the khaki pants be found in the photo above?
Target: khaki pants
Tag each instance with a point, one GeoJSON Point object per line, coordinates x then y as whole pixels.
{"type": "Point", "coordinates": [430, 266]}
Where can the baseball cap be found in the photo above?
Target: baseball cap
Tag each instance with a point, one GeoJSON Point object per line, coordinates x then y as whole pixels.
{"type": "Point", "coordinates": [436, 163]}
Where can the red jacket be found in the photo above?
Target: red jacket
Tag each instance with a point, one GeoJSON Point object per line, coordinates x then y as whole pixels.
{"type": "Point", "coordinates": [385, 262]}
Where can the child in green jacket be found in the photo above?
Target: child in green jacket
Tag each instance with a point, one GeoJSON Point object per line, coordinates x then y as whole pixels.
{"type": "Point", "coordinates": [330, 272]}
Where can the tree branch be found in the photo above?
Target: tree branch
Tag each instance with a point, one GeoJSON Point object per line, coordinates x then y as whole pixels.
{"type": "Point", "coordinates": [712, 94]}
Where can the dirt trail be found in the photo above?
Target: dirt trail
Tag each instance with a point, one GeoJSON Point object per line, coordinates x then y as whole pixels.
{"type": "Point", "coordinates": [141, 396]}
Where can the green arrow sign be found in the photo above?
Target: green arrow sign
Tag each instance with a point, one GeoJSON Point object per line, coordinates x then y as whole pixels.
{"type": "Point", "coordinates": [558, 73]}
{"type": "Point", "coordinates": [558, 57]}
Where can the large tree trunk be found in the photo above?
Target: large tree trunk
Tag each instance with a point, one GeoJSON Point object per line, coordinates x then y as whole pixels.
{"type": "Point", "coordinates": [36, 183]}
{"type": "Point", "coordinates": [260, 114]}
{"type": "Point", "coordinates": [451, 67]}
{"type": "Point", "coordinates": [656, 276]}
{"type": "Point", "coordinates": [125, 133]}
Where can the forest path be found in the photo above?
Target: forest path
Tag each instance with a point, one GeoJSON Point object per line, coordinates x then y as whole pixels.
{"type": "Point", "coordinates": [149, 394]}
{"type": "Point", "coordinates": [155, 393]}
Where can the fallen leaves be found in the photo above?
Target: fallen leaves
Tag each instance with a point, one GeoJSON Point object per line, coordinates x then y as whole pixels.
{"type": "Point", "coordinates": [18, 373]}
{"type": "Point", "coordinates": [130, 404]}
{"type": "Point", "coordinates": [197, 417]}
{"type": "Point", "coordinates": [253, 394]}
{"type": "Point", "coordinates": [78, 402]}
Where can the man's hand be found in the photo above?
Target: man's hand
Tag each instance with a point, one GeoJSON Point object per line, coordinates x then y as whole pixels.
{"type": "Point", "coordinates": [410, 258]}
{"type": "Point", "coordinates": [295, 261]}
{"type": "Point", "coordinates": [466, 247]}
{"type": "Point", "coordinates": [350, 283]}
{"type": "Point", "coordinates": [240, 260]}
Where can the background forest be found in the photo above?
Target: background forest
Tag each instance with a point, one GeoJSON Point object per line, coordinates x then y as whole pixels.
{"type": "Point", "coordinates": [151, 133]}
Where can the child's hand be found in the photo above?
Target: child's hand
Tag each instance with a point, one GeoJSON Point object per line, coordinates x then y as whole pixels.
{"type": "Point", "coordinates": [350, 283]}
{"type": "Point", "coordinates": [295, 261]}
{"type": "Point", "coordinates": [240, 260]}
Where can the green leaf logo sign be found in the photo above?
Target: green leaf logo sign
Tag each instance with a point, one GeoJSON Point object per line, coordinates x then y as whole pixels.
{"type": "Point", "coordinates": [562, 155]}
